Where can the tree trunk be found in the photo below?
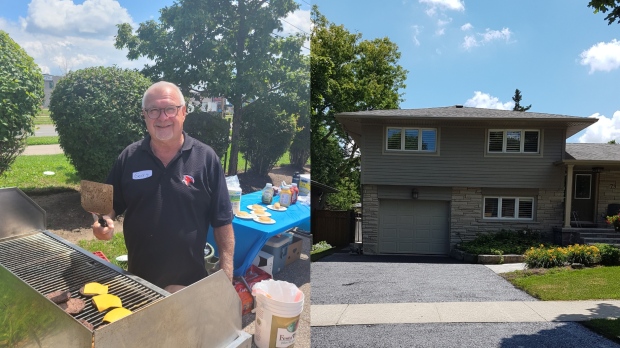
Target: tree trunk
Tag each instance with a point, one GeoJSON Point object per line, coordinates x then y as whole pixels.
{"type": "Point", "coordinates": [234, 143]}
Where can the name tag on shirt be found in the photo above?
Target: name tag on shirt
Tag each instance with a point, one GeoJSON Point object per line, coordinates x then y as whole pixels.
{"type": "Point", "coordinates": [142, 174]}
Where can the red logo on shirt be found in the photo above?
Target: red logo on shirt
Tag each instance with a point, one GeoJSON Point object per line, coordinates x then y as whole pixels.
{"type": "Point", "coordinates": [188, 180]}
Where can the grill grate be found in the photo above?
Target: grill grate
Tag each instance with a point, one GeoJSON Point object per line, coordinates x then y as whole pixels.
{"type": "Point", "coordinates": [47, 265]}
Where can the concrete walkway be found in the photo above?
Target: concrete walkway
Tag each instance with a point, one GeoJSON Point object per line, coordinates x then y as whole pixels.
{"type": "Point", "coordinates": [42, 150]}
{"type": "Point", "coordinates": [463, 312]}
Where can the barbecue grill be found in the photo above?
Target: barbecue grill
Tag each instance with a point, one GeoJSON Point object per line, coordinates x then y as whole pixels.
{"type": "Point", "coordinates": [35, 262]}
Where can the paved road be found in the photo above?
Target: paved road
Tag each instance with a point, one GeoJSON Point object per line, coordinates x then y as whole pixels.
{"type": "Point", "coordinates": [45, 130]}
{"type": "Point", "coordinates": [435, 302]}
{"type": "Point", "coordinates": [42, 150]}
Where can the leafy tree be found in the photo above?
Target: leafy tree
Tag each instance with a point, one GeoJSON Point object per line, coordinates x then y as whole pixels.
{"type": "Point", "coordinates": [347, 74]}
{"type": "Point", "coordinates": [613, 6]}
{"type": "Point", "coordinates": [348, 193]}
{"type": "Point", "coordinates": [210, 128]}
{"type": "Point", "coordinates": [266, 133]}
{"type": "Point", "coordinates": [612, 141]}
{"type": "Point", "coordinates": [299, 152]}
{"type": "Point", "coordinates": [517, 99]}
{"type": "Point", "coordinates": [21, 96]}
{"type": "Point", "coordinates": [97, 112]}
{"type": "Point", "coordinates": [220, 48]}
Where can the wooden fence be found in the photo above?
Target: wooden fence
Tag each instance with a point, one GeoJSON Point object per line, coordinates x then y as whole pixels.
{"type": "Point", "coordinates": [336, 227]}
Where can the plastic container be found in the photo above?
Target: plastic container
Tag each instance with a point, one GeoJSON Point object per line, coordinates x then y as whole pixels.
{"type": "Point", "coordinates": [285, 196]}
{"type": "Point", "coordinates": [296, 178]}
{"type": "Point", "coordinates": [304, 185]}
{"type": "Point", "coordinates": [235, 199]}
{"type": "Point", "coordinates": [278, 307]}
{"type": "Point", "coordinates": [294, 193]}
{"type": "Point", "coordinates": [278, 247]}
{"type": "Point", "coordinates": [267, 194]}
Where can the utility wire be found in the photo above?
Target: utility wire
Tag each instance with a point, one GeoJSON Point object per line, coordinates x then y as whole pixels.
{"type": "Point", "coordinates": [294, 26]}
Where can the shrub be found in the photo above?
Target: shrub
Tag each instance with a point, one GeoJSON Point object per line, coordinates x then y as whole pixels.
{"type": "Point", "coordinates": [97, 112]}
{"type": "Point", "coordinates": [543, 257]}
{"type": "Point", "coordinates": [610, 255]}
{"type": "Point", "coordinates": [210, 128]}
{"type": "Point", "coordinates": [21, 96]}
{"type": "Point", "coordinates": [504, 241]}
{"type": "Point", "coordinates": [320, 246]}
{"type": "Point", "coordinates": [586, 254]}
{"type": "Point", "coordinates": [266, 133]}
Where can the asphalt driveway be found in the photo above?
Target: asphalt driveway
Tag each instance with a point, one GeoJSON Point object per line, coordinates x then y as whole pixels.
{"type": "Point", "coordinates": [343, 278]}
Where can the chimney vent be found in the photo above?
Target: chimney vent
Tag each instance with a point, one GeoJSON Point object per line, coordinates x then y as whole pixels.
{"type": "Point", "coordinates": [459, 106]}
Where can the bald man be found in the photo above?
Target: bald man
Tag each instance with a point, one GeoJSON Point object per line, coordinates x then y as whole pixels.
{"type": "Point", "coordinates": [171, 188]}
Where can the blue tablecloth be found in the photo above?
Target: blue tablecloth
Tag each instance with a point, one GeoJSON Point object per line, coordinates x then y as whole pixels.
{"type": "Point", "coordinates": [251, 236]}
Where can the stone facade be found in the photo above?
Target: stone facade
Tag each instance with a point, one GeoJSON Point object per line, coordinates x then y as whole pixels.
{"type": "Point", "coordinates": [370, 220]}
{"type": "Point", "coordinates": [608, 193]}
{"type": "Point", "coordinates": [466, 216]}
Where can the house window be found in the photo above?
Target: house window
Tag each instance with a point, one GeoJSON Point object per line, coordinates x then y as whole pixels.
{"type": "Point", "coordinates": [51, 84]}
{"type": "Point", "coordinates": [583, 183]}
{"type": "Point", "coordinates": [513, 141]}
{"type": "Point", "coordinates": [509, 208]}
{"type": "Point", "coordinates": [411, 139]}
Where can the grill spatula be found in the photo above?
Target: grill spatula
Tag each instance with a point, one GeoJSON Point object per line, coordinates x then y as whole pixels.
{"type": "Point", "coordinates": [97, 199]}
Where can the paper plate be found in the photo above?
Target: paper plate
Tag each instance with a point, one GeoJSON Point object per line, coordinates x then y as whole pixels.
{"type": "Point", "coordinates": [122, 258]}
{"type": "Point", "coordinates": [251, 206]}
{"type": "Point", "coordinates": [262, 214]}
{"type": "Point", "coordinates": [273, 208]}
{"type": "Point", "coordinates": [247, 217]}
{"type": "Point", "coordinates": [48, 173]}
{"type": "Point", "coordinates": [265, 222]}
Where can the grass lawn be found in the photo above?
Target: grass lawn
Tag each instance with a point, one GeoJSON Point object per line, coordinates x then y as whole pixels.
{"type": "Point", "coordinates": [566, 284]}
{"type": "Point", "coordinates": [51, 140]}
{"type": "Point", "coordinates": [110, 248]}
{"type": "Point", "coordinates": [284, 160]}
{"type": "Point", "coordinates": [43, 117]}
{"type": "Point", "coordinates": [27, 174]}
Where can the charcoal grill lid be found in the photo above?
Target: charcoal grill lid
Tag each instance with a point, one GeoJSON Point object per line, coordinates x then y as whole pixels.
{"type": "Point", "coordinates": [19, 214]}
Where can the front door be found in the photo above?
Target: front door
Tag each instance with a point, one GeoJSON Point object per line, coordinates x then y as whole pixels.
{"type": "Point", "coordinates": [583, 197]}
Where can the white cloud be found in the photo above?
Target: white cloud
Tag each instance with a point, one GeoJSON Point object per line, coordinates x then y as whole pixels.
{"type": "Point", "coordinates": [297, 22]}
{"type": "Point", "coordinates": [489, 35]}
{"type": "Point", "coordinates": [441, 26]}
{"type": "Point", "coordinates": [68, 45]}
{"type": "Point", "coordinates": [604, 56]}
{"type": "Point", "coordinates": [416, 29]}
{"type": "Point", "coordinates": [442, 5]}
{"type": "Point", "coordinates": [440, 31]}
{"type": "Point", "coordinates": [604, 130]}
{"type": "Point", "coordinates": [96, 18]}
{"type": "Point", "coordinates": [467, 26]}
{"type": "Point", "coordinates": [487, 101]}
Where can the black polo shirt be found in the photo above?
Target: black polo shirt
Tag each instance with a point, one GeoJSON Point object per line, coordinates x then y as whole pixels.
{"type": "Point", "coordinates": [168, 210]}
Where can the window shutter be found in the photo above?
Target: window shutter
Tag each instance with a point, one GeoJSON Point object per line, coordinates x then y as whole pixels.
{"type": "Point", "coordinates": [496, 141]}
{"type": "Point", "coordinates": [411, 139]}
{"type": "Point", "coordinates": [513, 141]}
{"type": "Point", "coordinates": [530, 141]}
{"type": "Point", "coordinates": [393, 139]}
{"type": "Point", "coordinates": [491, 206]}
{"type": "Point", "coordinates": [429, 139]}
{"type": "Point", "coordinates": [526, 208]}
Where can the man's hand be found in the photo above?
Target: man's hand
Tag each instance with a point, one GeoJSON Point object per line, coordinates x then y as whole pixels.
{"type": "Point", "coordinates": [225, 241]}
{"type": "Point", "coordinates": [103, 233]}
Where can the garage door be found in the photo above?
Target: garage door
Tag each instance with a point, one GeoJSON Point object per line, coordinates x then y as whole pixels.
{"type": "Point", "coordinates": [416, 227]}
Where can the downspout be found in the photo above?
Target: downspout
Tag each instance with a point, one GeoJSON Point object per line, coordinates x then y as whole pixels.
{"type": "Point", "coordinates": [569, 193]}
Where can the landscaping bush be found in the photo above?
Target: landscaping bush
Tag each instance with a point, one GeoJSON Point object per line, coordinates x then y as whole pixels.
{"type": "Point", "coordinates": [543, 257]}
{"type": "Point", "coordinates": [502, 242]}
{"type": "Point", "coordinates": [210, 128]}
{"type": "Point", "coordinates": [21, 96]}
{"type": "Point", "coordinates": [266, 133]}
{"type": "Point", "coordinates": [610, 255]}
{"type": "Point", "coordinates": [97, 112]}
{"type": "Point", "coordinates": [585, 254]}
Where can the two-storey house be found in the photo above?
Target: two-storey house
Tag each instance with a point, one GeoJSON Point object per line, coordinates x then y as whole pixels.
{"type": "Point", "coordinates": [434, 177]}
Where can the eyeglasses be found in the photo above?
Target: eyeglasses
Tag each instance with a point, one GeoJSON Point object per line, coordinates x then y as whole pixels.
{"type": "Point", "coordinates": [170, 111]}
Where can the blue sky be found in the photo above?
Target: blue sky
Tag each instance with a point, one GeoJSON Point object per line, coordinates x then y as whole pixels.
{"type": "Point", "coordinates": [64, 35]}
{"type": "Point", "coordinates": [561, 56]}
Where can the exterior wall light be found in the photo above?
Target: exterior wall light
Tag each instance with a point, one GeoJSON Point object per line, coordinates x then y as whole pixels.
{"type": "Point", "coordinates": [414, 194]}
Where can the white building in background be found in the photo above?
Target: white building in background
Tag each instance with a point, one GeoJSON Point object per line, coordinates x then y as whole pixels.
{"type": "Point", "coordinates": [50, 82]}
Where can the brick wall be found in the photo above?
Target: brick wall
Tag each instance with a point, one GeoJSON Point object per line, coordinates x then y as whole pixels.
{"type": "Point", "coordinates": [370, 218]}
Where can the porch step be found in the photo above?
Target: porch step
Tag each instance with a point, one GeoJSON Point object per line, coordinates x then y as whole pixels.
{"type": "Point", "coordinates": [614, 241]}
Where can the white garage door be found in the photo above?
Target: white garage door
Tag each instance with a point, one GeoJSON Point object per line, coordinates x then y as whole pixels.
{"type": "Point", "coordinates": [416, 227]}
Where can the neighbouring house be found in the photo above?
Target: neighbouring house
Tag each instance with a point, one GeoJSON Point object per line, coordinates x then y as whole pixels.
{"type": "Point", "coordinates": [50, 82]}
{"type": "Point", "coordinates": [434, 177]}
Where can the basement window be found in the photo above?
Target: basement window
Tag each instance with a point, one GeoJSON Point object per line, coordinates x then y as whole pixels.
{"type": "Point", "coordinates": [521, 208]}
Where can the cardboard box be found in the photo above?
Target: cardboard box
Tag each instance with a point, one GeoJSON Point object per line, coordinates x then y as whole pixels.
{"type": "Point", "coordinates": [264, 261]}
{"type": "Point", "coordinates": [294, 251]}
{"type": "Point", "coordinates": [247, 301]}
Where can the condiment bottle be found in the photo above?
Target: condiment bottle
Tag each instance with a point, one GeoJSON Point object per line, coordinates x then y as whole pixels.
{"type": "Point", "coordinates": [267, 194]}
{"type": "Point", "coordinates": [285, 196]}
{"type": "Point", "coordinates": [294, 193]}
{"type": "Point", "coordinates": [296, 178]}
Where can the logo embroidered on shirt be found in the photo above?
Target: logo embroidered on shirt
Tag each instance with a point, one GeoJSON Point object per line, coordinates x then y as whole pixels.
{"type": "Point", "coordinates": [188, 180]}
